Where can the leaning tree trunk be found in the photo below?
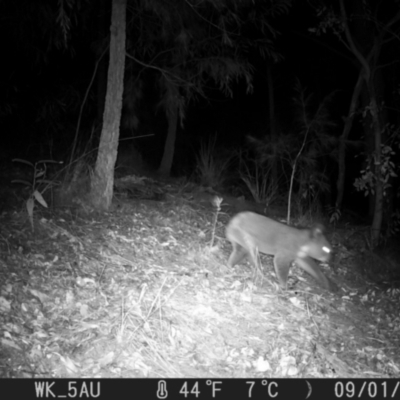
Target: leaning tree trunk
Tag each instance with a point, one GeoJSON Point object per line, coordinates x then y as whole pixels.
{"type": "Point", "coordinates": [103, 179]}
{"type": "Point", "coordinates": [343, 139]}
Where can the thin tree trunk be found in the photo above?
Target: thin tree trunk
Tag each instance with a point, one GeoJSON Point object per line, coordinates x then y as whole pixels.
{"type": "Point", "coordinates": [103, 178]}
{"type": "Point", "coordinates": [271, 101]}
{"type": "Point", "coordinates": [343, 138]}
{"type": "Point", "coordinates": [272, 128]}
{"type": "Point", "coordinates": [169, 148]}
{"type": "Point", "coordinates": [368, 65]}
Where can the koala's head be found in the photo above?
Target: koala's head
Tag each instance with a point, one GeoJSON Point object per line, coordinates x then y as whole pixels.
{"type": "Point", "coordinates": [317, 247]}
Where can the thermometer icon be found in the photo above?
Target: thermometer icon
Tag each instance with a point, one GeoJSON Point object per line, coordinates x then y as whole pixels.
{"type": "Point", "coordinates": [162, 390]}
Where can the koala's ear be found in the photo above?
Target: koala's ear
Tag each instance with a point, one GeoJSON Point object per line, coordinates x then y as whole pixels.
{"type": "Point", "coordinates": [317, 231]}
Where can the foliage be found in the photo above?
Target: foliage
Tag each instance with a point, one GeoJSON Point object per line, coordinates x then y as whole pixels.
{"type": "Point", "coordinates": [394, 225]}
{"type": "Point", "coordinates": [257, 178]}
{"type": "Point", "coordinates": [67, 10]}
{"type": "Point", "coordinates": [38, 179]}
{"type": "Point", "coordinates": [369, 35]}
{"type": "Point", "coordinates": [211, 168]}
{"type": "Point", "coordinates": [329, 21]}
{"type": "Point", "coordinates": [388, 169]}
{"type": "Point", "coordinates": [301, 157]}
{"type": "Point", "coordinates": [334, 215]}
{"type": "Point", "coordinates": [33, 33]}
{"type": "Point", "coordinates": [41, 26]}
{"type": "Point", "coordinates": [191, 43]}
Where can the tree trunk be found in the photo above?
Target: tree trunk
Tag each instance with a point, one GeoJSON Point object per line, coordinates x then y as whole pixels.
{"type": "Point", "coordinates": [168, 156]}
{"type": "Point", "coordinates": [369, 65]}
{"type": "Point", "coordinates": [342, 141]}
{"type": "Point", "coordinates": [103, 180]}
{"type": "Point", "coordinates": [271, 102]}
{"type": "Point", "coordinates": [272, 129]}
{"type": "Point", "coordinates": [101, 78]}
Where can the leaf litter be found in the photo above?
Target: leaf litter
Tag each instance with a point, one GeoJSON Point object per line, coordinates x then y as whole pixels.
{"type": "Point", "coordinates": [139, 292]}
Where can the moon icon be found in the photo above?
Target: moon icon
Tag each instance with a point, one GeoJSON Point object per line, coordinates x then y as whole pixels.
{"type": "Point", "coordinates": [309, 389]}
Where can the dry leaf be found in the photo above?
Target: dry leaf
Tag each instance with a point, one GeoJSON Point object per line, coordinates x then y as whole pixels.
{"type": "Point", "coordinates": [5, 305]}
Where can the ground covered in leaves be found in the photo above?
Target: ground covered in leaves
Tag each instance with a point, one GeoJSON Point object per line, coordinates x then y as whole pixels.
{"type": "Point", "coordinates": [144, 291]}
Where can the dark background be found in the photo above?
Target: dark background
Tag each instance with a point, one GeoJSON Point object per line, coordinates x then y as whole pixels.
{"type": "Point", "coordinates": [44, 80]}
